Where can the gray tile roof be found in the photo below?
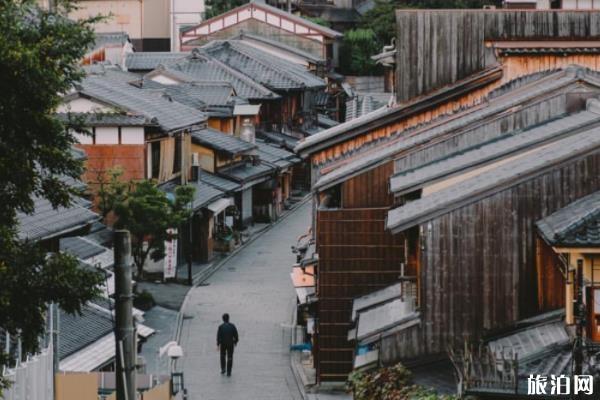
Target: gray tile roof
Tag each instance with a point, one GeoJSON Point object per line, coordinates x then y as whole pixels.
{"type": "Point", "coordinates": [202, 94]}
{"type": "Point", "coordinates": [100, 233]}
{"type": "Point", "coordinates": [147, 61]}
{"type": "Point", "coordinates": [79, 331]}
{"type": "Point", "coordinates": [219, 182]}
{"type": "Point", "coordinates": [220, 141]}
{"type": "Point", "coordinates": [372, 299]}
{"type": "Point", "coordinates": [287, 141]}
{"type": "Point", "coordinates": [506, 145]}
{"type": "Point", "coordinates": [269, 70]}
{"type": "Point", "coordinates": [108, 119]}
{"type": "Point", "coordinates": [246, 172]}
{"type": "Point", "coordinates": [491, 181]}
{"type": "Point", "coordinates": [364, 103]}
{"type": "Point", "coordinates": [504, 97]}
{"type": "Point", "coordinates": [382, 317]}
{"type": "Point", "coordinates": [275, 155]}
{"type": "Point", "coordinates": [103, 39]}
{"type": "Point", "coordinates": [203, 195]}
{"type": "Point", "coordinates": [80, 247]}
{"type": "Point", "coordinates": [169, 115]}
{"type": "Point", "coordinates": [198, 66]}
{"type": "Point", "coordinates": [385, 150]}
{"type": "Point", "coordinates": [46, 222]}
{"type": "Point", "coordinates": [576, 225]}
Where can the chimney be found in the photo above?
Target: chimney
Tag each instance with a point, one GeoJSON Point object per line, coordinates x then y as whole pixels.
{"type": "Point", "coordinates": [248, 132]}
{"type": "Point", "coordinates": [195, 167]}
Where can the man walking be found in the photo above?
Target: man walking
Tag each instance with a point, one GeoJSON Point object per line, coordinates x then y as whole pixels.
{"type": "Point", "coordinates": [227, 339]}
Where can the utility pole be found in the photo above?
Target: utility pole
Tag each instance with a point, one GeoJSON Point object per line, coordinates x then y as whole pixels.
{"type": "Point", "coordinates": [580, 319]}
{"type": "Point", "coordinates": [124, 330]}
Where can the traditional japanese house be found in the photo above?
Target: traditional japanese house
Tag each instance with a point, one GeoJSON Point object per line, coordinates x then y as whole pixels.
{"type": "Point", "coordinates": [462, 103]}
{"type": "Point", "coordinates": [297, 86]}
{"type": "Point", "coordinates": [258, 18]}
{"type": "Point", "coordinates": [145, 133]}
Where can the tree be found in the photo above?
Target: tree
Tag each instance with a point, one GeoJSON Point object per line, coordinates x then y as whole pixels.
{"type": "Point", "coordinates": [218, 7]}
{"type": "Point", "coordinates": [112, 190]}
{"type": "Point", "coordinates": [39, 59]}
{"type": "Point", "coordinates": [390, 383]}
{"type": "Point", "coordinates": [356, 51]}
{"type": "Point", "coordinates": [147, 213]}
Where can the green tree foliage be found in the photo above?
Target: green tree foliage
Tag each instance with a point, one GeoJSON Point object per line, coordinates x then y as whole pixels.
{"type": "Point", "coordinates": [39, 57]}
{"type": "Point", "coordinates": [112, 190]}
{"type": "Point", "coordinates": [147, 213]}
{"type": "Point", "coordinates": [391, 383]}
{"type": "Point", "coordinates": [356, 51]}
{"type": "Point", "coordinates": [218, 7]}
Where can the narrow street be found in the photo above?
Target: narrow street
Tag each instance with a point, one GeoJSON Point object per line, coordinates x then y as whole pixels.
{"type": "Point", "coordinates": [254, 287]}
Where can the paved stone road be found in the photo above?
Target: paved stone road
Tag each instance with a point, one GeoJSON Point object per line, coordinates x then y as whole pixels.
{"type": "Point", "coordinates": [254, 287]}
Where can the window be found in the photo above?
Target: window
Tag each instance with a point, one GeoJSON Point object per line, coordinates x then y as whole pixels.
{"type": "Point", "coordinates": [177, 156]}
{"type": "Point", "coordinates": [155, 158]}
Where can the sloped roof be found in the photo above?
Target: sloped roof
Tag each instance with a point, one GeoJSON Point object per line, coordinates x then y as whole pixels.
{"type": "Point", "coordinates": [79, 331]}
{"type": "Point", "coordinates": [199, 66]}
{"type": "Point", "coordinates": [279, 46]}
{"type": "Point", "coordinates": [267, 69]}
{"type": "Point", "coordinates": [275, 155]}
{"type": "Point", "coordinates": [287, 141]}
{"type": "Point", "coordinates": [576, 225]}
{"type": "Point", "coordinates": [108, 119]}
{"type": "Point", "coordinates": [203, 195]}
{"type": "Point", "coordinates": [80, 247]}
{"type": "Point", "coordinates": [506, 145]}
{"type": "Point", "coordinates": [383, 317]}
{"type": "Point", "coordinates": [46, 222]}
{"type": "Point", "coordinates": [219, 182]}
{"type": "Point", "coordinates": [265, 7]}
{"type": "Point", "coordinates": [110, 88]}
{"type": "Point", "coordinates": [201, 94]}
{"type": "Point", "coordinates": [491, 181]}
{"type": "Point", "coordinates": [220, 141]}
{"type": "Point", "coordinates": [372, 299]}
{"type": "Point", "coordinates": [149, 60]}
{"type": "Point", "coordinates": [504, 98]}
{"type": "Point", "coordinates": [246, 171]}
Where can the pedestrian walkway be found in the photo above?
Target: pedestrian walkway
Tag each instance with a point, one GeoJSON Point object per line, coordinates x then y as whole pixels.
{"type": "Point", "coordinates": [254, 287]}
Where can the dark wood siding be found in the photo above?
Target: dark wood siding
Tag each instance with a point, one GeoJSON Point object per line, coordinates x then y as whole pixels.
{"type": "Point", "coordinates": [478, 263]}
{"type": "Point", "coordinates": [437, 48]}
{"type": "Point", "coordinates": [370, 189]}
{"type": "Point", "coordinates": [551, 282]}
{"type": "Point", "coordinates": [356, 256]}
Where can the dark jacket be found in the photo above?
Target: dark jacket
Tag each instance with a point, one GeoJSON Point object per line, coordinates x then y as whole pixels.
{"type": "Point", "coordinates": [227, 335]}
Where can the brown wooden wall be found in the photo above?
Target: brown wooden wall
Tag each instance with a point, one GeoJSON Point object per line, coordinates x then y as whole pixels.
{"type": "Point", "coordinates": [370, 189]}
{"type": "Point", "coordinates": [437, 48]}
{"type": "Point", "coordinates": [551, 282]}
{"type": "Point", "coordinates": [356, 256]}
{"type": "Point", "coordinates": [100, 158]}
{"type": "Point", "coordinates": [478, 265]}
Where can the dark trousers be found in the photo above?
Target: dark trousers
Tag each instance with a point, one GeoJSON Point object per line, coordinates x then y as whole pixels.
{"type": "Point", "coordinates": [226, 353]}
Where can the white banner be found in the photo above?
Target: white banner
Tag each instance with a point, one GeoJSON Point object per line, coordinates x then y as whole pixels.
{"type": "Point", "coordinates": [171, 255]}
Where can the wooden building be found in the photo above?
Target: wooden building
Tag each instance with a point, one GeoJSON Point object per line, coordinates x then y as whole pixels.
{"type": "Point", "coordinates": [145, 134]}
{"type": "Point", "coordinates": [469, 96]}
{"type": "Point", "coordinates": [258, 18]}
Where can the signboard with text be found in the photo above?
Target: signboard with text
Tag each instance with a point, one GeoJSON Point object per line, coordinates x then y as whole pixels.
{"type": "Point", "coordinates": [170, 266]}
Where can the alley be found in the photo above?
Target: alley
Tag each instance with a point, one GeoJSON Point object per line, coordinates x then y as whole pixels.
{"type": "Point", "coordinates": [254, 287]}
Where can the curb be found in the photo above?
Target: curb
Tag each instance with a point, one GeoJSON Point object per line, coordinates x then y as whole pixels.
{"type": "Point", "coordinates": [204, 275]}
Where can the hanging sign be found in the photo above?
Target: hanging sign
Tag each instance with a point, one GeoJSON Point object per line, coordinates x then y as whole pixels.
{"type": "Point", "coordinates": [170, 264]}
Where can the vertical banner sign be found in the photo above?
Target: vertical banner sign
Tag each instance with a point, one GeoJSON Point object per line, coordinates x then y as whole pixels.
{"type": "Point", "coordinates": [171, 255]}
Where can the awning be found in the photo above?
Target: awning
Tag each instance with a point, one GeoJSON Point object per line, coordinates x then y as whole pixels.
{"type": "Point", "coordinates": [91, 357]}
{"type": "Point", "coordinates": [220, 205]}
{"type": "Point", "coordinates": [246, 109]}
{"type": "Point", "coordinates": [144, 331]}
{"type": "Point", "coordinates": [303, 277]}
{"type": "Point", "coordinates": [304, 293]}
